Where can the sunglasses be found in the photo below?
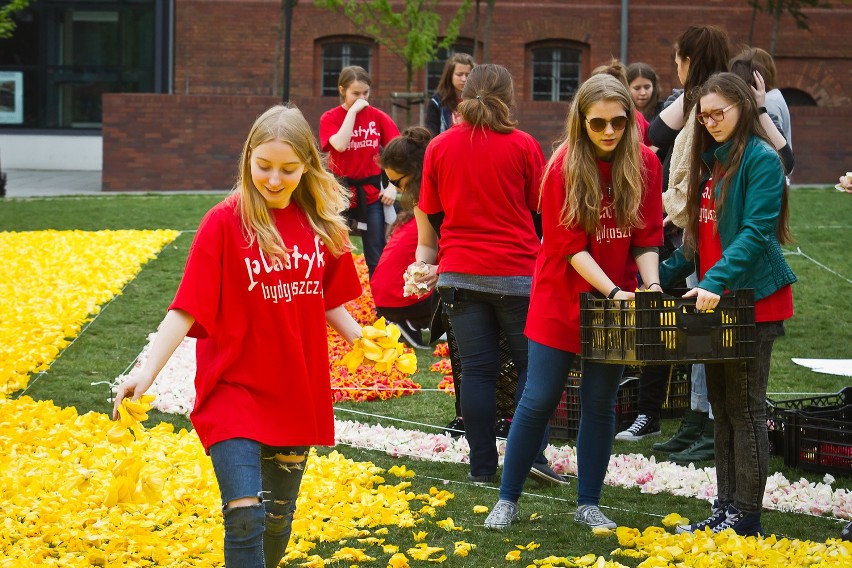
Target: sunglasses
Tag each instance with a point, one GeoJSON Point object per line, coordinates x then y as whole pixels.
{"type": "Point", "coordinates": [599, 124]}
{"type": "Point", "coordinates": [397, 181]}
{"type": "Point", "coordinates": [717, 115]}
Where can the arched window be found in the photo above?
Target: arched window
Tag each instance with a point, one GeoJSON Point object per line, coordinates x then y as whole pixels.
{"type": "Point", "coordinates": [339, 54]}
{"type": "Point", "coordinates": [556, 70]}
{"type": "Point", "coordinates": [435, 67]}
{"type": "Point", "coordinates": [797, 97]}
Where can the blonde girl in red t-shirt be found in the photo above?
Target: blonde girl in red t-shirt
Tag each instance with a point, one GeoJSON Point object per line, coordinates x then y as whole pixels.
{"type": "Point", "coordinates": [602, 217]}
{"type": "Point", "coordinates": [268, 269]}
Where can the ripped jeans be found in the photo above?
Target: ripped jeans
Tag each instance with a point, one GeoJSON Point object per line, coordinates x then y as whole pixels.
{"type": "Point", "coordinates": [256, 536]}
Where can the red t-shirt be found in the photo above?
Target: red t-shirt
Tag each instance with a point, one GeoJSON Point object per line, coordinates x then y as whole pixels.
{"type": "Point", "coordinates": [554, 316]}
{"type": "Point", "coordinates": [262, 351]}
{"type": "Point", "coordinates": [373, 129]}
{"type": "Point", "coordinates": [387, 282]}
{"type": "Point", "coordinates": [775, 307]}
{"type": "Point", "coordinates": [487, 185]}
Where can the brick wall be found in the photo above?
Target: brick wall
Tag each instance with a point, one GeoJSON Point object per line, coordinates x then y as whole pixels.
{"type": "Point", "coordinates": [224, 57]}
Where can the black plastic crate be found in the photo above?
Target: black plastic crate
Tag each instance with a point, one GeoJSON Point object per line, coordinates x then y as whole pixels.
{"type": "Point", "coordinates": [679, 392]}
{"type": "Point", "coordinates": [657, 328]}
{"type": "Point", "coordinates": [776, 413]}
{"type": "Point", "coordinates": [565, 422]}
{"type": "Point", "coordinates": [819, 440]}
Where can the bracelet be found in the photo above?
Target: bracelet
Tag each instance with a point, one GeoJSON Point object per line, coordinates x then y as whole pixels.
{"type": "Point", "coordinates": [761, 110]}
{"type": "Point", "coordinates": [652, 284]}
{"type": "Point", "coordinates": [614, 291]}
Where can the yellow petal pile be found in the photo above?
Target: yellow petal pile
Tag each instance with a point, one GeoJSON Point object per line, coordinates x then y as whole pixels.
{"type": "Point", "coordinates": [53, 281]}
{"type": "Point", "coordinates": [704, 549]}
{"type": "Point", "coordinates": [130, 413]}
{"type": "Point", "coordinates": [63, 506]}
{"type": "Point", "coordinates": [379, 346]}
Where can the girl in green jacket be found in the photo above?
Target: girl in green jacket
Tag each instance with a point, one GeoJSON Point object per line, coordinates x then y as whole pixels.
{"type": "Point", "coordinates": [737, 219]}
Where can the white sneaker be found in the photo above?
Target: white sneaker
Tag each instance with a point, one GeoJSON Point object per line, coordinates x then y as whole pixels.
{"type": "Point", "coordinates": [591, 515]}
{"type": "Point", "coordinates": [502, 515]}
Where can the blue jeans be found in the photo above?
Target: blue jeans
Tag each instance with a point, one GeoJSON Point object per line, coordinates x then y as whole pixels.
{"type": "Point", "coordinates": [737, 392]}
{"type": "Point", "coordinates": [373, 239]}
{"type": "Point", "coordinates": [548, 374]}
{"type": "Point", "coordinates": [476, 318]}
{"type": "Point", "coordinates": [256, 536]}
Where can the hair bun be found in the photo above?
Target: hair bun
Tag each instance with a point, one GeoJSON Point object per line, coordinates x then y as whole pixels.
{"type": "Point", "coordinates": [417, 135]}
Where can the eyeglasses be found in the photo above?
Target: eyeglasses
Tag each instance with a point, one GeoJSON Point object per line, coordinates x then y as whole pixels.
{"type": "Point", "coordinates": [396, 181]}
{"type": "Point", "coordinates": [599, 124]}
{"type": "Point", "coordinates": [717, 115]}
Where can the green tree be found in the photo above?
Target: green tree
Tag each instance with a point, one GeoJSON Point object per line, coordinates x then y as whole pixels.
{"type": "Point", "coordinates": [408, 29]}
{"type": "Point", "coordinates": [776, 9]}
{"type": "Point", "coordinates": [7, 23]}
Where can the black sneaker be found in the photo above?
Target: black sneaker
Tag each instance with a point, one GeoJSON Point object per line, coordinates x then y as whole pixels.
{"type": "Point", "coordinates": [643, 427]}
{"type": "Point", "coordinates": [544, 475]}
{"type": "Point", "coordinates": [742, 523]}
{"type": "Point", "coordinates": [455, 428]}
{"type": "Point", "coordinates": [846, 533]}
{"type": "Point", "coordinates": [411, 335]}
{"type": "Point", "coordinates": [718, 514]}
{"type": "Point", "coordinates": [501, 428]}
{"type": "Point", "coordinates": [482, 478]}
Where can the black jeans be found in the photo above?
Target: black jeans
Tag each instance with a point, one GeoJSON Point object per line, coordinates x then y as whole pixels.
{"type": "Point", "coordinates": [737, 393]}
{"type": "Point", "coordinates": [476, 318]}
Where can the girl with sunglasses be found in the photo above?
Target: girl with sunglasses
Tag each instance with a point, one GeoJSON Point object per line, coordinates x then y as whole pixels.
{"type": "Point", "coordinates": [737, 218]}
{"type": "Point", "coordinates": [602, 218]}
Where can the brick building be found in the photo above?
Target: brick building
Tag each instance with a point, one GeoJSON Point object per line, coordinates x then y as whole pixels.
{"type": "Point", "coordinates": [222, 58]}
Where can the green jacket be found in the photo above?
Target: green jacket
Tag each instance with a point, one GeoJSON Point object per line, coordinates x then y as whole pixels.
{"type": "Point", "coordinates": [747, 221]}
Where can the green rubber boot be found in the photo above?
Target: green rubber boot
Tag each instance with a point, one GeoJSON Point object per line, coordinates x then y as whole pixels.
{"type": "Point", "coordinates": [690, 430]}
{"type": "Point", "coordinates": [701, 449]}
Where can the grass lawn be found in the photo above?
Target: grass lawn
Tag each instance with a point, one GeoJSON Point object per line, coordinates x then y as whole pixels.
{"type": "Point", "coordinates": [821, 328]}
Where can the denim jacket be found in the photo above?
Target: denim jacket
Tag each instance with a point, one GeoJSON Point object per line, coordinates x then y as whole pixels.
{"type": "Point", "coordinates": [747, 222]}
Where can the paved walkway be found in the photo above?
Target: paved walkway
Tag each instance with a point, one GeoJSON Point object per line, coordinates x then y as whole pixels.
{"type": "Point", "coordinates": [49, 183]}
{"type": "Point", "coordinates": [52, 183]}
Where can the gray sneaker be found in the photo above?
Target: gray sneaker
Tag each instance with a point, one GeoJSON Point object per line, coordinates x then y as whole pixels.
{"type": "Point", "coordinates": [502, 515]}
{"type": "Point", "coordinates": [591, 515]}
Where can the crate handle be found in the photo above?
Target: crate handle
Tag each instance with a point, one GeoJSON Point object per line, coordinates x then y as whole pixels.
{"type": "Point", "coordinates": [692, 321]}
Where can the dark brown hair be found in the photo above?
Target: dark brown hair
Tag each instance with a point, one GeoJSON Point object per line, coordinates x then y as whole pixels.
{"type": "Point", "coordinates": [636, 70]}
{"type": "Point", "coordinates": [488, 97]}
{"type": "Point", "coordinates": [446, 91]}
{"type": "Point", "coordinates": [762, 61]}
{"type": "Point", "coordinates": [404, 154]}
{"type": "Point", "coordinates": [732, 89]}
{"type": "Point", "coordinates": [708, 51]}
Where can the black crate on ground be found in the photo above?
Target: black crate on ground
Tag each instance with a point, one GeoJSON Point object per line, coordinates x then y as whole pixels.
{"type": "Point", "coordinates": [565, 422]}
{"type": "Point", "coordinates": [507, 382]}
{"type": "Point", "coordinates": [657, 328]}
{"type": "Point", "coordinates": [776, 419]}
{"type": "Point", "coordinates": [678, 390]}
{"type": "Point", "coordinates": [819, 440]}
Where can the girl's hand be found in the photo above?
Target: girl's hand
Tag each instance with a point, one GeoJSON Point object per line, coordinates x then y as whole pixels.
{"type": "Point", "coordinates": [359, 105]}
{"type": "Point", "coordinates": [388, 195]}
{"type": "Point", "coordinates": [430, 278]}
{"type": "Point", "coordinates": [134, 386]}
{"type": "Point", "coordinates": [624, 295]}
{"type": "Point", "coordinates": [704, 300]}
{"type": "Point", "coordinates": [760, 90]}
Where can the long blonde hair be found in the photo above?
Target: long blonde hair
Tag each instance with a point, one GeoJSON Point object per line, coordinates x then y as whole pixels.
{"type": "Point", "coordinates": [318, 194]}
{"type": "Point", "coordinates": [583, 195]}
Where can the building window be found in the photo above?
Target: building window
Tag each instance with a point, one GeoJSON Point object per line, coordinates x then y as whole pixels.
{"type": "Point", "coordinates": [555, 72]}
{"type": "Point", "coordinates": [336, 56]}
{"type": "Point", "coordinates": [69, 54]}
{"type": "Point", "coordinates": [435, 67]}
